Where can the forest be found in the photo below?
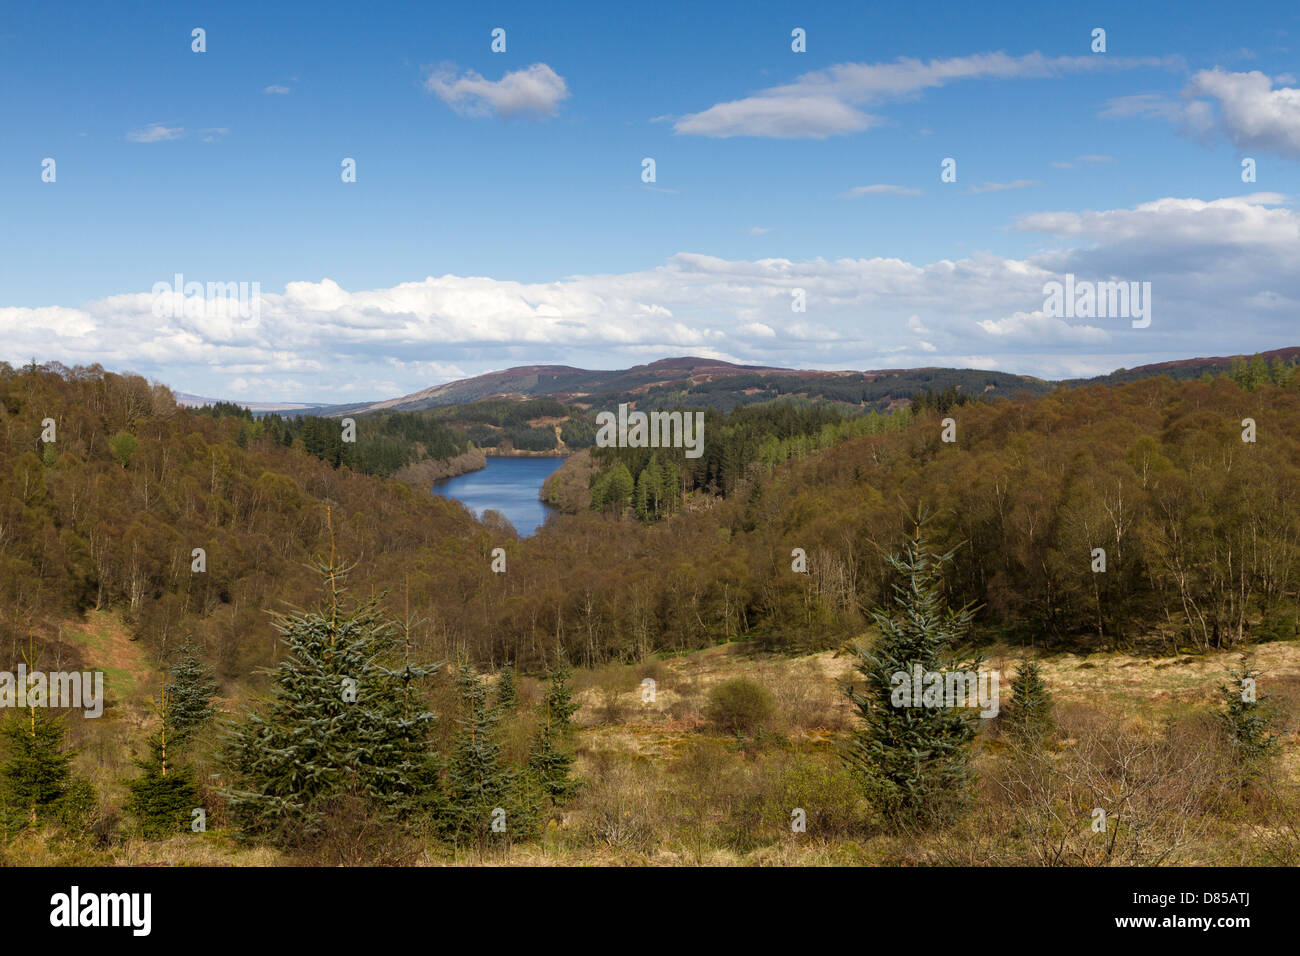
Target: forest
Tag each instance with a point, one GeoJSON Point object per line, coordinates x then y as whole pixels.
{"type": "Point", "coordinates": [1200, 527]}
{"type": "Point", "coordinates": [1154, 517]}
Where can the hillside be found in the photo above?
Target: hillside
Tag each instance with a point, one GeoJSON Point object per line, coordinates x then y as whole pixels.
{"type": "Point", "coordinates": [1181, 369]}
{"type": "Point", "coordinates": [107, 517]}
{"type": "Point", "coordinates": [1200, 529]}
{"type": "Point", "coordinates": [704, 383]}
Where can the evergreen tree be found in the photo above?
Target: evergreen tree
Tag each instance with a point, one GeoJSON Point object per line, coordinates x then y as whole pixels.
{"type": "Point", "coordinates": [34, 775]}
{"type": "Point", "coordinates": [621, 486]}
{"type": "Point", "coordinates": [642, 500]}
{"type": "Point", "coordinates": [599, 491]}
{"type": "Point", "coordinates": [1281, 372]}
{"type": "Point", "coordinates": [507, 695]}
{"type": "Point", "coordinates": [550, 761]}
{"type": "Point", "coordinates": [1248, 720]}
{"type": "Point", "coordinates": [163, 797]}
{"type": "Point", "coordinates": [655, 487]}
{"type": "Point", "coordinates": [914, 762]}
{"type": "Point", "coordinates": [478, 787]}
{"type": "Point", "coordinates": [1257, 372]}
{"type": "Point", "coordinates": [1028, 717]}
{"type": "Point", "coordinates": [189, 694]}
{"type": "Point", "coordinates": [340, 721]}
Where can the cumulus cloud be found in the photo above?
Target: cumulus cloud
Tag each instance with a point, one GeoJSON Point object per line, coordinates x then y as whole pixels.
{"type": "Point", "coordinates": [1252, 113]}
{"type": "Point", "coordinates": [1234, 258]}
{"type": "Point", "coordinates": [277, 89]}
{"type": "Point", "coordinates": [536, 90]}
{"type": "Point", "coordinates": [1043, 328]}
{"type": "Point", "coordinates": [828, 102]}
{"type": "Point", "coordinates": [1244, 108]}
{"type": "Point", "coordinates": [155, 133]}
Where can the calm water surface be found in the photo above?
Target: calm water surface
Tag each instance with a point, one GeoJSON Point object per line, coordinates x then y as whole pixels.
{"type": "Point", "coordinates": [507, 485]}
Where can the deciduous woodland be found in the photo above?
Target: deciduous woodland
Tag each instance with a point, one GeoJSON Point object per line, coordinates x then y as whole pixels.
{"type": "Point", "coordinates": [1197, 529]}
{"type": "Point", "coordinates": [1201, 530]}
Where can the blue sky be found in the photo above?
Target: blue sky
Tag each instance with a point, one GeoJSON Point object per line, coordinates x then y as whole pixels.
{"type": "Point", "coordinates": [499, 215]}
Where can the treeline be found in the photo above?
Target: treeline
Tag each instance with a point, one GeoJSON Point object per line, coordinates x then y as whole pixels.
{"type": "Point", "coordinates": [877, 391]}
{"type": "Point", "coordinates": [1198, 531]}
{"type": "Point", "coordinates": [651, 483]}
{"type": "Point", "coordinates": [1276, 366]}
{"type": "Point", "coordinates": [491, 423]}
{"type": "Point", "coordinates": [384, 442]}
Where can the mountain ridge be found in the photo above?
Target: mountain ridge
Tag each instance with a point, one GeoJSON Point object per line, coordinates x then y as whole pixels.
{"type": "Point", "coordinates": [688, 377]}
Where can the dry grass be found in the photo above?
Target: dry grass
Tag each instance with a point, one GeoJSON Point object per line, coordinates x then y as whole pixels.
{"type": "Point", "coordinates": [663, 786]}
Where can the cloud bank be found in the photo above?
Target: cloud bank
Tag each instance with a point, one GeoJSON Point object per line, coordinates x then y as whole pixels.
{"type": "Point", "coordinates": [1225, 274]}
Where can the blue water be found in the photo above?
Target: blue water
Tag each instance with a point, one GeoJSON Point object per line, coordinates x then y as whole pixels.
{"type": "Point", "coordinates": [507, 485]}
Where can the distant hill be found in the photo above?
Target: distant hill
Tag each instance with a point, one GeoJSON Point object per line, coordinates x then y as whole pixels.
{"type": "Point", "coordinates": [712, 383]}
{"type": "Point", "coordinates": [1183, 368]}
{"type": "Point", "coordinates": [703, 382]}
{"type": "Point", "coordinates": [198, 401]}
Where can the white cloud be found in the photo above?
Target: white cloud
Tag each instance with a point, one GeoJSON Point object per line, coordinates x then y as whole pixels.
{"type": "Point", "coordinates": [760, 230]}
{"type": "Point", "coordinates": [535, 90]}
{"type": "Point", "coordinates": [155, 133]}
{"type": "Point", "coordinates": [1245, 108]}
{"type": "Point", "coordinates": [1043, 329]}
{"type": "Point", "coordinates": [827, 102]}
{"type": "Point", "coordinates": [880, 189]}
{"type": "Point", "coordinates": [777, 117]}
{"type": "Point", "coordinates": [277, 89]}
{"type": "Point", "coordinates": [1225, 276]}
{"type": "Point", "coordinates": [1253, 114]}
{"type": "Point", "coordinates": [1003, 187]}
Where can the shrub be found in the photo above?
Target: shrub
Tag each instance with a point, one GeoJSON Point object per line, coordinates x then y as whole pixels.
{"type": "Point", "coordinates": [740, 706]}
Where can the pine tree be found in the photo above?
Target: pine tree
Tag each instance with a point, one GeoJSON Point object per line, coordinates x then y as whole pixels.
{"type": "Point", "coordinates": [914, 762]}
{"type": "Point", "coordinates": [189, 694]}
{"type": "Point", "coordinates": [620, 489]}
{"type": "Point", "coordinates": [1028, 717]}
{"type": "Point", "coordinates": [479, 787]}
{"type": "Point", "coordinates": [340, 721]}
{"type": "Point", "coordinates": [549, 761]}
{"type": "Point", "coordinates": [164, 796]}
{"type": "Point", "coordinates": [35, 774]}
{"type": "Point", "coordinates": [1248, 721]}
{"type": "Point", "coordinates": [37, 786]}
{"type": "Point", "coordinates": [506, 697]}
{"type": "Point", "coordinates": [642, 497]}
{"type": "Point", "coordinates": [599, 489]}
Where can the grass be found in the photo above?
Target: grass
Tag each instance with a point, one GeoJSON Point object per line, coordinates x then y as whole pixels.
{"type": "Point", "coordinates": [664, 786]}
